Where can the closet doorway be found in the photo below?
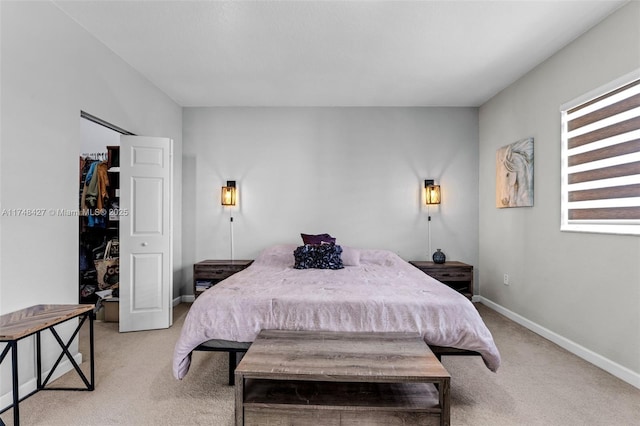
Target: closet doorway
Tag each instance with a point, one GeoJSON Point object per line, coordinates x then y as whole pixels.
{"type": "Point", "coordinates": [98, 217]}
{"type": "Point", "coordinates": [126, 225]}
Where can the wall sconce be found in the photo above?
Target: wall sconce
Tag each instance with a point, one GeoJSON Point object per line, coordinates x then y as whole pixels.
{"type": "Point", "coordinates": [431, 196]}
{"type": "Point", "coordinates": [229, 197]}
{"type": "Point", "coordinates": [229, 193]}
{"type": "Point", "coordinates": [432, 192]}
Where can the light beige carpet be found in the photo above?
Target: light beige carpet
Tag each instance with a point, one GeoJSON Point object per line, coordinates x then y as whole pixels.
{"type": "Point", "coordinates": [537, 384]}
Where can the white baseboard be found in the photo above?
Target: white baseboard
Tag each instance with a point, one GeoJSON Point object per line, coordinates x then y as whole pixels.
{"type": "Point", "coordinates": [598, 360]}
{"type": "Point", "coordinates": [31, 385]}
{"type": "Point", "coordinates": [189, 298]}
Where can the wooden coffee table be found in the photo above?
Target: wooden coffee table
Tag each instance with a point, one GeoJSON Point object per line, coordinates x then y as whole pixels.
{"type": "Point", "coordinates": [333, 378]}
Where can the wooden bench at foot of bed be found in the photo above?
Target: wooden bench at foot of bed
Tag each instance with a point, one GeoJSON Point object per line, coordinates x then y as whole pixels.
{"type": "Point", "coordinates": [233, 348]}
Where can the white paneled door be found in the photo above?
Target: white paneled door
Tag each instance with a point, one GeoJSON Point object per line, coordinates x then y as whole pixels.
{"type": "Point", "coordinates": [146, 228]}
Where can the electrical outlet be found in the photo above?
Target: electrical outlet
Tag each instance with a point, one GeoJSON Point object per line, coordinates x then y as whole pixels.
{"type": "Point", "coordinates": [506, 279]}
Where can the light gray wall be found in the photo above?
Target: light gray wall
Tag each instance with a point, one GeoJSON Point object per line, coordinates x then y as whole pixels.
{"type": "Point", "coordinates": [95, 138]}
{"type": "Point", "coordinates": [51, 70]}
{"type": "Point", "coordinates": [355, 173]}
{"type": "Point", "coordinates": [583, 290]}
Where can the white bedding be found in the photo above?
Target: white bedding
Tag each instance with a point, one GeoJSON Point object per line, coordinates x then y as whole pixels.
{"type": "Point", "coordinates": [380, 293]}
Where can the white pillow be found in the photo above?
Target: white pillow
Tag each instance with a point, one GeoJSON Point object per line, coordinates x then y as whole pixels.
{"type": "Point", "coordinates": [350, 256]}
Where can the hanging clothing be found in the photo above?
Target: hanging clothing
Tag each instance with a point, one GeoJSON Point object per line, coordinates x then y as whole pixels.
{"type": "Point", "coordinates": [84, 204]}
{"type": "Point", "coordinates": [94, 193]}
{"type": "Point", "coordinates": [98, 181]}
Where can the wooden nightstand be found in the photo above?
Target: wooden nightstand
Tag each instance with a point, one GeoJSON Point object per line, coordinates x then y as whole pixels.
{"type": "Point", "coordinates": [457, 275]}
{"type": "Point", "coordinates": [210, 272]}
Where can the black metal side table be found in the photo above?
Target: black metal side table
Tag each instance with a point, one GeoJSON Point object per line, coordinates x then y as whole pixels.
{"type": "Point", "coordinates": [26, 322]}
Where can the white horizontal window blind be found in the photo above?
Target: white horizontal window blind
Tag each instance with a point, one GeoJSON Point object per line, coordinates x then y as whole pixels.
{"type": "Point", "coordinates": [601, 160]}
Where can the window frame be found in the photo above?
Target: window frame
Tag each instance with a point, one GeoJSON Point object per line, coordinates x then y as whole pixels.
{"type": "Point", "coordinates": [571, 204]}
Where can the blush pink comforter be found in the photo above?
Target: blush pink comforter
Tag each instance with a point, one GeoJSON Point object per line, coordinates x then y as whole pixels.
{"type": "Point", "coordinates": [377, 291]}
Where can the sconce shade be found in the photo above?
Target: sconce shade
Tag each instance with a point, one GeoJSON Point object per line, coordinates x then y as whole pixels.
{"type": "Point", "coordinates": [432, 192]}
{"type": "Point", "coordinates": [229, 193]}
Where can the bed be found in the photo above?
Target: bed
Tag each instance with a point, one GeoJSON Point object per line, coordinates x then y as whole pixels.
{"type": "Point", "coordinates": [375, 291]}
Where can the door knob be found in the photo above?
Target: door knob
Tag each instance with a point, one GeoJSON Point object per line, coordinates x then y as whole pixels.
{"type": "Point", "coordinates": [145, 244]}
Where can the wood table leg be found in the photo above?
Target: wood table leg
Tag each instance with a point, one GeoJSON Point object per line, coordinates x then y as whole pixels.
{"type": "Point", "coordinates": [445, 403]}
{"type": "Point", "coordinates": [239, 399]}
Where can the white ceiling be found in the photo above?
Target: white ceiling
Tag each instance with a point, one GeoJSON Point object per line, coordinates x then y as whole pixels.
{"type": "Point", "coordinates": [335, 53]}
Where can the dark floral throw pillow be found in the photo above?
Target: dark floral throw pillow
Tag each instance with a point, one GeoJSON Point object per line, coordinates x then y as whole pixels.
{"type": "Point", "coordinates": [318, 256]}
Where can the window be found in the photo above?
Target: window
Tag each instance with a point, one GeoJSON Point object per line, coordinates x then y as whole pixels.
{"type": "Point", "coordinates": [601, 159]}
